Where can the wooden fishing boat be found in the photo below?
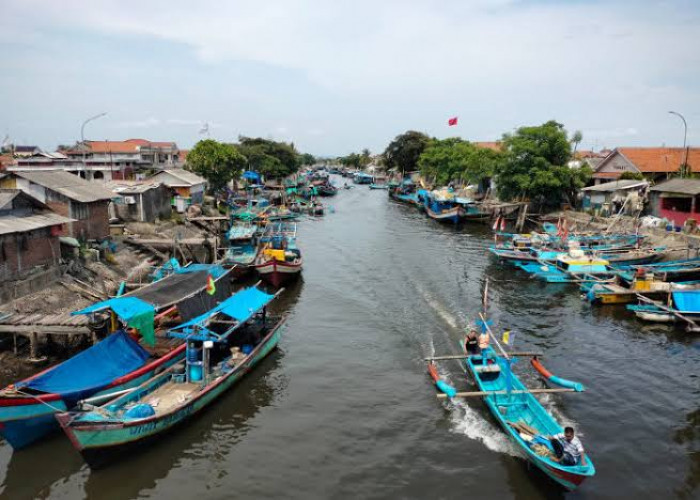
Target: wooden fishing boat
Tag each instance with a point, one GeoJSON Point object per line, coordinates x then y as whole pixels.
{"type": "Point", "coordinates": [362, 178]}
{"type": "Point", "coordinates": [673, 270]}
{"type": "Point", "coordinates": [243, 248]}
{"type": "Point", "coordinates": [521, 416]}
{"type": "Point", "coordinates": [280, 260]}
{"type": "Point", "coordinates": [224, 345]}
{"type": "Point", "coordinates": [570, 268]}
{"type": "Point", "coordinates": [116, 363]}
{"type": "Point", "coordinates": [440, 205]}
{"type": "Point", "coordinates": [683, 306]}
{"type": "Point", "coordinates": [616, 257]}
{"type": "Point", "coordinates": [378, 186]}
{"type": "Point", "coordinates": [645, 284]}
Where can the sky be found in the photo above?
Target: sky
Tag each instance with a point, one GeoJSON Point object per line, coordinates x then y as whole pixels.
{"type": "Point", "coordinates": [336, 76]}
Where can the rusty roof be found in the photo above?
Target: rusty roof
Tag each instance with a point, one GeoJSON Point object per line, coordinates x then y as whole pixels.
{"type": "Point", "coordinates": [14, 224]}
{"type": "Point", "coordinates": [661, 159]}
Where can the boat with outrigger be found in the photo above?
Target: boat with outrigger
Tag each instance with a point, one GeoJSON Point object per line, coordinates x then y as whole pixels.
{"type": "Point", "coordinates": [223, 345]}
{"type": "Point", "coordinates": [521, 416]}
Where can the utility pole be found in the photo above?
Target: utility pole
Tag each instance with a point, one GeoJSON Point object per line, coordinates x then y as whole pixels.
{"type": "Point", "coordinates": [82, 133]}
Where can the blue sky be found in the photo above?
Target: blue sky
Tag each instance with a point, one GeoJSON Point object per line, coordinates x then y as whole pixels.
{"type": "Point", "coordinates": [335, 77]}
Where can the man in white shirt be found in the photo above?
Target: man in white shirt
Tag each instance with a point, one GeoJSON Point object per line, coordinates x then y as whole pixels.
{"type": "Point", "coordinates": [568, 448]}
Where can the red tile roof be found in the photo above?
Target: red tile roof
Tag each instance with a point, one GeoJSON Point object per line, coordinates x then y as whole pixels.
{"type": "Point", "coordinates": [140, 142]}
{"type": "Point", "coordinates": [661, 159]}
{"type": "Point", "coordinates": [112, 147]}
{"type": "Point", "coordinates": [495, 145]}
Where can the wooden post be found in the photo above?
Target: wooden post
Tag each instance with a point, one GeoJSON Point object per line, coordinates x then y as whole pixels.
{"type": "Point", "coordinates": [33, 347]}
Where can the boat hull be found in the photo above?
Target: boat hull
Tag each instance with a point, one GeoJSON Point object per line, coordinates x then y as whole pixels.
{"type": "Point", "coordinates": [453, 215]}
{"type": "Point", "coordinates": [102, 443]}
{"type": "Point", "coordinates": [278, 273]}
{"type": "Point", "coordinates": [24, 421]}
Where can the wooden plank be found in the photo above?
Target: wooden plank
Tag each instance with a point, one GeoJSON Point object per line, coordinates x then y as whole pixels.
{"type": "Point", "coordinates": [56, 329]}
{"type": "Point", "coordinates": [464, 356]}
{"type": "Point", "coordinates": [492, 393]}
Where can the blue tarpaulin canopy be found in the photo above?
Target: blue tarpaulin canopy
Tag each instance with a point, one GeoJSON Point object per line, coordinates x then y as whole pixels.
{"type": "Point", "coordinates": [134, 311]}
{"type": "Point", "coordinates": [688, 301]}
{"type": "Point", "coordinates": [251, 176]}
{"type": "Point", "coordinates": [241, 307]}
{"type": "Point", "coordinates": [93, 369]}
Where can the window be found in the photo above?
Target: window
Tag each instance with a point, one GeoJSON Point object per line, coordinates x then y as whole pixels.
{"type": "Point", "coordinates": [676, 204]}
{"type": "Point", "coordinates": [79, 211]}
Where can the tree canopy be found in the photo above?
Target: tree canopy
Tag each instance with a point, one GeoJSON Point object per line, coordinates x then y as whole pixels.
{"type": "Point", "coordinates": [218, 163]}
{"type": "Point", "coordinates": [535, 166]}
{"type": "Point", "coordinates": [306, 159]}
{"type": "Point", "coordinates": [455, 159]}
{"type": "Point", "coordinates": [405, 150]}
{"type": "Point", "coordinates": [270, 158]}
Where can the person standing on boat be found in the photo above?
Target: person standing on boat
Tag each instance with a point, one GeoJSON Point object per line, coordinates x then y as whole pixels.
{"type": "Point", "coordinates": [484, 341]}
{"type": "Point", "coordinates": [568, 448]}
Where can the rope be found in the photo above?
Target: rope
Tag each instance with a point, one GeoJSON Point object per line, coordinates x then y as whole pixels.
{"type": "Point", "coordinates": [58, 410]}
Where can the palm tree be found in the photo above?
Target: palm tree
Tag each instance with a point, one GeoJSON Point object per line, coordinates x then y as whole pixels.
{"type": "Point", "coordinates": [576, 138]}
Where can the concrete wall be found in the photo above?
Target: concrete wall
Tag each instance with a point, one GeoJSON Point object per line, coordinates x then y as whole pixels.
{"type": "Point", "coordinates": [150, 205]}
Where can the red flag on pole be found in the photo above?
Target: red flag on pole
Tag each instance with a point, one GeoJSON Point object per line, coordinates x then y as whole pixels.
{"type": "Point", "coordinates": [495, 223]}
{"type": "Point", "coordinates": [503, 224]}
{"type": "Point", "coordinates": [452, 121]}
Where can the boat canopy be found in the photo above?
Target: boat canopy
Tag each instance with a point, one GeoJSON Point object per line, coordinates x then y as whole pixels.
{"type": "Point", "coordinates": [240, 307]}
{"type": "Point", "coordinates": [92, 369]}
{"type": "Point", "coordinates": [687, 301]}
{"type": "Point", "coordinates": [135, 312]}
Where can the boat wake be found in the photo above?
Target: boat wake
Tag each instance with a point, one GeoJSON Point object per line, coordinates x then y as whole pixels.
{"type": "Point", "coordinates": [472, 423]}
{"type": "Point", "coordinates": [438, 308]}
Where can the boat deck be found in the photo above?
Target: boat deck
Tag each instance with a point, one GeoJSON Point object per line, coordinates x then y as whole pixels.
{"type": "Point", "coordinates": [171, 395]}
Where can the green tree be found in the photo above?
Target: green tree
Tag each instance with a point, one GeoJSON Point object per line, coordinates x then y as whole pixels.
{"type": "Point", "coordinates": [535, 166]}
{"type": "Point", "coordinates": [270, 158]}
{"type": "Point", "coordinates": [576, 139]}
{"type": "Point", "coordinates": [405, 150]}
{"type": "Point", "coordinates": [455, 159]}
{"type": "Point", "coordinates": [218, 163]}
{"type": "Point", "coordinates": [307, 159]}
{"type": "Point", "coordinates": [637, 176]}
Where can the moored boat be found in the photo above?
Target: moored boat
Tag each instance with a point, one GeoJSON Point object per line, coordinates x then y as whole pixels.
{"type": "Point", "coordinates": [223, 345]}
{"type": "Point", "coordinates": [280, 260]}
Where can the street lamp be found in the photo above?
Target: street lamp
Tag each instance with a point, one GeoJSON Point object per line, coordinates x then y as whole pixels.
{"type": "Point", "coordinates": [82, 131]}
{"type": "Point", "coordinates": [685, 135]}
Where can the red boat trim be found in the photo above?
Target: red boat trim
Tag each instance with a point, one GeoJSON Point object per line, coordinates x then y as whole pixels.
{"type": "Point", "coordinates": [149, 367]}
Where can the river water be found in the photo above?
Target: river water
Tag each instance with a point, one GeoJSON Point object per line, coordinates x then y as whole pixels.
{"type": "Point", "coordinates": [345, 408]}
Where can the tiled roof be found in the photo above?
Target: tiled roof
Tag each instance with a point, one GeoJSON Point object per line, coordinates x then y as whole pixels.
{"type": "Point", "coordinates": [495, 145]}
{"type": "Point", "coordinates": [661, 159]}
{"type": "Point", "coordinates": [113, 147]}
{"type": "Point", "coordinates": [607, 175]}
{"type": "Point", "coordinates": [69, 185]}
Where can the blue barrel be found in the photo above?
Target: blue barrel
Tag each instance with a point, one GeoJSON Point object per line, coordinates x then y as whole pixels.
{"type": "Point", "coordinates": [194, 354]}
{"type": "Point", "coordinates": [195, 373]}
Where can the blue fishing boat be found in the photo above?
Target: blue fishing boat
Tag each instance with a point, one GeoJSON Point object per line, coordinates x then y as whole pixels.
{"type": "Point", "coordinates": [243, 248]}
{"type": "Point", "coordinates": [614, 257]}
{"type": "Point", "coordinates": [569, 268]}
{"type": "Point", "coordinates": [118, 362]}
{"type": "Point", "coordinates": [521, 416]}
{"type": "Point", "coordinates": [223, 345]}
{"type": "Point", "coordinates": [683, 306]}
{"type": "Point", "coordinates": [672, 270]}
{"type": "Point", "coordinates": [363, 178]}
{"type": "Point", "coordinates": [440, 205]}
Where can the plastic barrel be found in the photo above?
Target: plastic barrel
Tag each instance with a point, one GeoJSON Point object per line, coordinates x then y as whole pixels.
{"type": "Point", "coordinates": [194, 354]}
{"type": "Point", "coordinates": [195, 373]}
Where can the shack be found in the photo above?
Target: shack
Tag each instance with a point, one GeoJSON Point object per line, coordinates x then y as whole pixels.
{"type": "Point", "coordinates": [186, 187]}
{"type": "Point", "coordinates": [84, 203]}
{"type": "Point", "coordinates": [29, 234]}
{"type": "Point", "coordinates": [676, 200]}
{"type": "Point", "coordinates": [609, 197]}
{"type": "Point", "coordinates": [139, 201]}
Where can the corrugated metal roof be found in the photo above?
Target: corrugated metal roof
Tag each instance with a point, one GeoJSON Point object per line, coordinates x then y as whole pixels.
{"type": "Point", "coordinates": [13, 224]}
{"type": "Point", "coordinates": [69, 185]}
{"type": "Point", "coordinates": [7, 195]}
{"type": "Point", "coordinates": [617, 185]}
{"type": "Point", "coordinates": [188, 178]}
{"type": "Point", "coordinates": [685, 186]}
{"type": "Point", "coordinates": [125, 187]}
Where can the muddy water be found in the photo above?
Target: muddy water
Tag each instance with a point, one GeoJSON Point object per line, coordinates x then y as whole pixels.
{"type": "Point", "coordinates": [345, 408]}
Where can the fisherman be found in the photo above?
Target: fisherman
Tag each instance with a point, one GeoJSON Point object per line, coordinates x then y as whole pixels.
{"type": "Point", "coordinates": [471, 343]}
{"type": "Point", "coordinates": [568, 448]}
{"type": "Point", "coordinates": [484, 340]}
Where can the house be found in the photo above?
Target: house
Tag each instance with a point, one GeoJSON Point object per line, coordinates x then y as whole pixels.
{"type": "Point", "coordinates": [22, 151]}
{"type": "Point", "coordinates": [68, 195]}
{"type": "Point", "coordinates": [608, 198]}
{"type": "Point", "coordinates": [29, 234]}
{"type": "Point", "coordinates": [654, 163]}
{"type": "Point", "coordinates": [140, 201]}
{"type": "Point", "coordinates": [186, 187]}
{"type": "Point", "coordinates": [103, 160]}
{"type": "Point", "coordinates": [676, 200]}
